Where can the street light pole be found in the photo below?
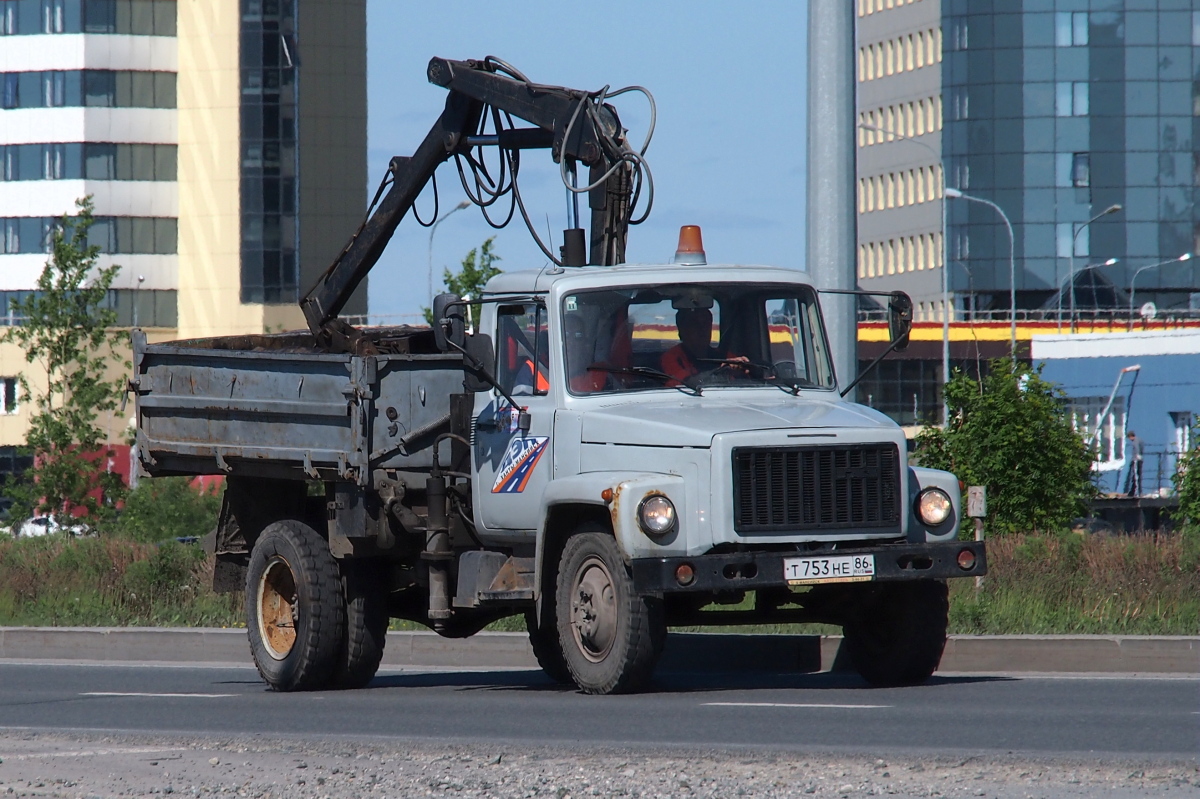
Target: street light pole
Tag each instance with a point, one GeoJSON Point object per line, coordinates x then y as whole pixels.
{"type": "Point", "coordinates": [1133, 281]}
{"type": "Point", "coordinates": [955, 194]}
{"type": "Point", "coordinates": [432, 230]}
{"type": "Point", "coordinates": [1087, 268]}
{"type": "Point", "coordinates": [945, 259]}
{"type": "Point", "coordinates": [1112, 209]}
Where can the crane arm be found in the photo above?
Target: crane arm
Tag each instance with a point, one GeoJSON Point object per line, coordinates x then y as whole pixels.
{"type": "Point", "coordinates": [563, 123]}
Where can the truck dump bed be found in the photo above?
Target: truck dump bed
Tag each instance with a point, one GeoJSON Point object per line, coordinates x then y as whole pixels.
{"type": "Point", "coordinates": [276, 406]}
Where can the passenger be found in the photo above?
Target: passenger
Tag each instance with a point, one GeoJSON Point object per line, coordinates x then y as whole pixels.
{"type": "Point", "coordinates": [695, 350]}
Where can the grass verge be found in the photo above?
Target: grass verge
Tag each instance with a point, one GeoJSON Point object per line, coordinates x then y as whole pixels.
{"type": "Point", "coordinates": [1146, 585]}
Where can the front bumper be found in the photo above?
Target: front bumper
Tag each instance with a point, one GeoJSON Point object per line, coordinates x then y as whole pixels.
{"type": "Point", "coordinates": [747, 571]}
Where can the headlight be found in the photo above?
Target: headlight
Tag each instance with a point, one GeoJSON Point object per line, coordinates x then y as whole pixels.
{"type": "Point", "coordinates": [656, 515]}
{"type": "Point", "coordinates": [933, 506]}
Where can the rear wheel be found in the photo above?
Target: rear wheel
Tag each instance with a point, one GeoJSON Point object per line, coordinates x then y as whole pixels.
{"type": "Point", "coordinates": [366, 623]}
{"type": "Point", "coordinates": [898, 635]}
{"type": "Point", "coordinates": [609, 636]}
{"type": "Point", "coordinates": [543, 638]}
{"type": "Point", "coordinates": [295, 614]}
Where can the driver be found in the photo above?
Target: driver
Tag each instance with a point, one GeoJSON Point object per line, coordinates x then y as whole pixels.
{"type": "Point", "coordinates": [695, 347]}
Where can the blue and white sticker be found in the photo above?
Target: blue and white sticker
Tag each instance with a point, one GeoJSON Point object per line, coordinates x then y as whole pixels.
{"type": "Point", "coordinates": [518, 464]}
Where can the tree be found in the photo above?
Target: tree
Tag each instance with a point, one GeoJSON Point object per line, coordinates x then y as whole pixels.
{"type": "Point", "coordinates": [473, 275]}
{"type": "Point", "coordinates": [1010, 432]}
{"type": "Point", "coordinates": [66, 333]}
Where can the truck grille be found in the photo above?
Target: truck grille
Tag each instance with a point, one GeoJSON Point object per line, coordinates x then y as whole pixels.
{"type": "Point", "coordinates": [816, 488]}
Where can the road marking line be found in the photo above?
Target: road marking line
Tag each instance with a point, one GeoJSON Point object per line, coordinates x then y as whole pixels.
{"type": "Point", "coordinates": [173, 696]}
{"type": "Point", "coordinates": [793, 704]}
{"type": "Point", "coordinates": [142, 750]}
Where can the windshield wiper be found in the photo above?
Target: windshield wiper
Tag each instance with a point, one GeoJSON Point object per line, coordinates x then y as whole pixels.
{"type": "Point", "coordinates": [769, 374]}
{"type": "Point", "coordinates": [686, 385]}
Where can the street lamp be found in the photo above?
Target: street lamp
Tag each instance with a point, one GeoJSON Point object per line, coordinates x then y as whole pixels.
{"type": "Point", "coordinates": [955, 194]}
{"type": "Point", "coordinates": [432, 230]}
{"type": "Point", "coordinates": [1112, 209]}
{"type": "Point", "coordinates": [1187, 256]}
{"type": "Point", "coordinates": [1087, 268]}
{"type": "Point", "coordinates": [945, 261]}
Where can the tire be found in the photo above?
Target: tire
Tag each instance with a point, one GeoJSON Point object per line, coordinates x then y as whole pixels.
{"type": "Point", "coordinates": [898, 636]}
{"type": "Point", "coordinates": [366, 624]}
{"type": "Point", "coordinates": [609, 636]}
{"type": "Point", "coordinates": [544, 640]}
{"type": "Point", "coordinates": [295, 614]}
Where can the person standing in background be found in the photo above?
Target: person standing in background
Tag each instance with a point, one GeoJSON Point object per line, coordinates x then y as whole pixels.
{"type": "Point", "coordinates": [1134, 450]}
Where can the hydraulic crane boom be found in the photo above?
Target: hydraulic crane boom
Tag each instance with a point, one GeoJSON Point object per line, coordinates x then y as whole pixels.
{"type": "Point", "coordinates": [577, 126]}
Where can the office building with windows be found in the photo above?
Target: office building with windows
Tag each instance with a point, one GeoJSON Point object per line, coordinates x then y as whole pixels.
{"type": "Point", "coordinates": [223, 144]}
{"type": "Point", "coordinates": [1056, 111]}
{"type": "Point", "coordinates": [900, 150]}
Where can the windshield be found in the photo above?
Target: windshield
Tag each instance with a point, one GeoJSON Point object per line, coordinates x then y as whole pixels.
{"type": "Point", "coordinates": [690, 337]}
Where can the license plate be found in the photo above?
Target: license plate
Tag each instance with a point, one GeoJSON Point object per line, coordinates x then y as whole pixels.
{"type": "Point", "coordinates": [831, 569]}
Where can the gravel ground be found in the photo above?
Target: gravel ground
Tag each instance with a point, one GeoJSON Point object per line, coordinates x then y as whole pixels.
{"type": "Point", "coordinates": [106, 766]}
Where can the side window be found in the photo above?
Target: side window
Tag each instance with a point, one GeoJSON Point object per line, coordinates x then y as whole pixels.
{"type": "Point", "coordinates": [789, 345]}
{"type": "Point", "coordinates": [797, 348]}
{"type": "Point", "coordinates": [522, 350]}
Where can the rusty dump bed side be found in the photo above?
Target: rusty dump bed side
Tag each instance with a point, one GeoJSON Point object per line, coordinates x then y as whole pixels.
{"type": "Point", "coordinates": [276, 406]}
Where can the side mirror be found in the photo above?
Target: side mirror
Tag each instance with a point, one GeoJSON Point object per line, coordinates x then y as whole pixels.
{"type": "Point", "coordinates": [900, 319]}
{"type": "Point", "coordinates": [449, 322]}
{"type": "Point", "coordinates": [481, 351]}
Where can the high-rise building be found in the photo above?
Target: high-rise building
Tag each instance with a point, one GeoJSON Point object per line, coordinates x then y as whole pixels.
{"type": "Point", "coordinates": [1055, 111]}
{"type": "Point", "coordinates": [900, 149]}
{"type": "Point", "coordinates": [223, 143]}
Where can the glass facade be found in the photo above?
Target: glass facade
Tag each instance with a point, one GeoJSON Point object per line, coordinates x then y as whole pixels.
{"type": "Point", "coordinates": [1060, 110]}
{"type": "Point", "coordinates": [126, 235]}
{"type": "Point", "coordinates": [154, 307]}
{"type": "Point", "coordinates": [94, 88]}
{"type": "Point", "coordinates": [269, 157]}
{"type": "Point", "coordinates": [88, 161]}
{"type": "Point", "coordinates": [132, 17]}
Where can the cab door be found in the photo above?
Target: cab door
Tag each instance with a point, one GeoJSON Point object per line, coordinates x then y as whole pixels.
{"type": "Point", "coordinates": [513, 466]}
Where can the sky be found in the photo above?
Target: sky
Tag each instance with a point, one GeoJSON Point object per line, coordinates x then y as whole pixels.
{"type": "Point", "coordinates": [728, 150]}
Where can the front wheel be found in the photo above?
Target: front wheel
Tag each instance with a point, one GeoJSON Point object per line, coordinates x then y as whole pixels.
{"type": "Point", "coordinates": [543, 639]}
{"type": "Point", "coordinates": [897, 636]}
{"type": "Point", "coordinates": [610, 636]}
{"type": "Point", "coordinates": [295, 614]}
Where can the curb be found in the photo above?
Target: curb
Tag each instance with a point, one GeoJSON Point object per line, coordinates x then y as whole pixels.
{"type": "Point", "coordinates": [692, 652]}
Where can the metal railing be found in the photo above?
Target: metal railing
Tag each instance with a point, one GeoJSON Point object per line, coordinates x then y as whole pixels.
{"type": "Point", "coordinates": [1112, 319]}
{"type": "Point", "coordinates": [1158, 472]}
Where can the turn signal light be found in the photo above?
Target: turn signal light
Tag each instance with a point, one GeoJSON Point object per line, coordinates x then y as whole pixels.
{"type": "Point", "coordinates": [684, 575]}
{"type": "Point", "coordinates": [966, 560]}
{"type": "Point", "coordinates": [606, 495]}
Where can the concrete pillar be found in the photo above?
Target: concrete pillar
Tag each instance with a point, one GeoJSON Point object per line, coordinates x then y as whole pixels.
{"type": "Point", "coordinates": [832, 238]}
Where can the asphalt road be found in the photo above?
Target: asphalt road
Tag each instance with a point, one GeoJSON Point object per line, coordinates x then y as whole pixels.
{"type": "Point", "coordinates": [1042, 716]}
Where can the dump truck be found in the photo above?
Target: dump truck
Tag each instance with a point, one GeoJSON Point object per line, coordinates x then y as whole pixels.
{"type": "Point", "coordinates": [604, 448]}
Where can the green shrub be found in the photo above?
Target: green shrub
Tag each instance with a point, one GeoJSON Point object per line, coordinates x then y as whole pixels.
{"type": "Point", "coordinates": [168, 507]}
{"type": "Point", "coordinates": [1060, 584]}
{"type": "Point", "coordinates": [1187, 485]}
{"type": "Point", "coordinates": [109, 581]}
{"type": "Point", "coordinates": [1010, 433]}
